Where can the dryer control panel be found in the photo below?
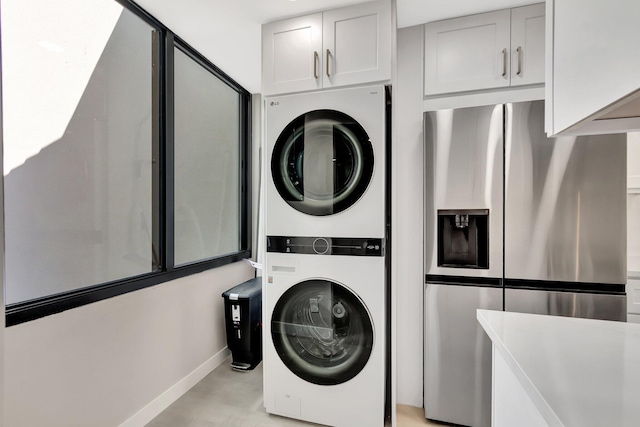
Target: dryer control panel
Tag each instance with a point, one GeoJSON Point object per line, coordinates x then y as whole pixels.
{"type": "Point", "coordinates": [326, 245]}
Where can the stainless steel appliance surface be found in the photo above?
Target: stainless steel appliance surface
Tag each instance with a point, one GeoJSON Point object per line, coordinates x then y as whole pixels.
{"type": "Point", "coordinates": [459, 352]}
{"type": "Point", "coordinates": [569, 304]}
{"type": "Point", "coordinates": [565, 201]}
{"type": "Point", "coordinates": [557, 210]}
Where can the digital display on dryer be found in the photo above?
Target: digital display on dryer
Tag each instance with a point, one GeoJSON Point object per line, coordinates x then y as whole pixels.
{"type": "Point", "coordinates": [326, 245]}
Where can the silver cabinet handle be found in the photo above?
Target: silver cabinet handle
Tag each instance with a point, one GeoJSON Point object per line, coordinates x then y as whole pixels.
{"type": "Point", "coordinates": [504, 62]}
{"type": "Point", "coordinates": [315, 64]}
{"type": "Point", "coordinates": [519, 60]}
{"type": "Point", "coordinates": [328, 55]}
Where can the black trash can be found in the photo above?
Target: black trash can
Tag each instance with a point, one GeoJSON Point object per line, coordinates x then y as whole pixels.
{"type": "Point", "coordinates": [243, 318]}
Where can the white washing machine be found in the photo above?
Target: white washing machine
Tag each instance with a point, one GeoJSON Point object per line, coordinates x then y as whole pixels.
{"type": "Point", "coordinates": [324, 167]}
{"type": "Point", "coordinates": [324, 331]}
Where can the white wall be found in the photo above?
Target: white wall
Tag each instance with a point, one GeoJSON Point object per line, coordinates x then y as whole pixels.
{"type": "Point", "coordinates": [408, 213]}
{"type": "Point", "coordinates": [99, 364]}
{"type": "Point", "coordinates": [2, 318]}
{"type": "Point", "coordinates": [2, 314]}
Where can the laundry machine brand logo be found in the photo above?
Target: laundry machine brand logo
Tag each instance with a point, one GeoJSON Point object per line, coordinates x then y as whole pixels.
{"type": "Point", "coordinates": [274, 103]}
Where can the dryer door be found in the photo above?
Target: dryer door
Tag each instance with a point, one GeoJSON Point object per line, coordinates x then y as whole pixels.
{"type": "Point", "coordinates": [322, 332]}
{"type": "Point", "coordinates": [322, 162]}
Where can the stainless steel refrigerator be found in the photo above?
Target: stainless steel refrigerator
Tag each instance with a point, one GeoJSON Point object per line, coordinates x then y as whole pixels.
{"type": "Point", "coordinates": [515, 221]}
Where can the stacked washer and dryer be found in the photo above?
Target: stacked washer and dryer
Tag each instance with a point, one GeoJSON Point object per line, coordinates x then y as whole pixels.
{"type": "Point", "coordinates": [325, 274]}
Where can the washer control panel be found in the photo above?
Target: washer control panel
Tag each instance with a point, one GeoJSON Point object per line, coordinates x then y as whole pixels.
{"type": "Point", "coordinates": [326, 245]}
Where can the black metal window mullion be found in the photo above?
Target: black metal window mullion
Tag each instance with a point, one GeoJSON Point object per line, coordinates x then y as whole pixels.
{"type": "Point", "coordinates": [157, 143]}
{"type": "Point", "coordinates": [168, 160]}
{"type": "Point", "coordinates": [245, 173]}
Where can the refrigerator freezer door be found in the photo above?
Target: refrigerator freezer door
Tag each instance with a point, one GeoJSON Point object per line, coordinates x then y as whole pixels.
{"type": "Point", "coordinates": [458, 354]}
{"type": "Point", "coordinates": [569, 304]}
{"type": "Point", "coordinates": [565, 202]}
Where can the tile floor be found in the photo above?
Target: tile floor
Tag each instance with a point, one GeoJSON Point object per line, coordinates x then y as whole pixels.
{"type": "Point", "coordinates": [224, 398]}
{"type": "Point", "coordinates": [227, 398]}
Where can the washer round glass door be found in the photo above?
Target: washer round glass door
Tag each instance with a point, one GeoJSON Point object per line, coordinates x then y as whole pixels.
{"type": "Point", "coordinates": [322, 332]}
{"type": "Point", "coordinates": [322, 162]}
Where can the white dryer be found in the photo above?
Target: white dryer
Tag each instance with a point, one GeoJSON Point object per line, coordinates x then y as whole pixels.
{"type": "Point", "coordinates": [325, 161]}
{"type": "Point", "coordinates": [324, 331]}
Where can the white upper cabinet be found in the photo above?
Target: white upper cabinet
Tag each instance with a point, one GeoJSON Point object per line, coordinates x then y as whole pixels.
{"type": "Point", "coordinates": [346, 46]}
{"type": "Point", "coordinates": [486, 51]}
{"type": "Point", "coordinates": [357, 43]}
{"type": "Point", "coordinates": [527, 45]}
{"type": "Point", "coordinates": [468, 53]}
{"type": "Point", "coordinates": [291, 52]}
{"type": "Point", "coordinates": [593, 66]}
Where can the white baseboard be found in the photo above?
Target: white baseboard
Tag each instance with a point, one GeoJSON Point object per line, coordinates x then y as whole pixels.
{"type": "Point", "coordinates": [162, 402]}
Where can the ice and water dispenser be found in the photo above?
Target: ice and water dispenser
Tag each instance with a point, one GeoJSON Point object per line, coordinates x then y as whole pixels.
{"type": "Point", "coordinates": [463, 238]}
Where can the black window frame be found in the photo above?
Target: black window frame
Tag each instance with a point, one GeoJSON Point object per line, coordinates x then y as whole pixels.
{"type": "Point", "coordinates": [163, 197]}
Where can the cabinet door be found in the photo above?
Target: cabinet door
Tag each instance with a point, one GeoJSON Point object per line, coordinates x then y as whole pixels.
{"type": "Point", "coordinates": [527, 45]}
{"type": "Point", "coordinates": [593, 83]}
{"type": "Point", "coordinates": [292, 55]}
{"type": "Point", "coordinates": [357, 44]}
{"type": "Point", "coordinates": [469, 53]}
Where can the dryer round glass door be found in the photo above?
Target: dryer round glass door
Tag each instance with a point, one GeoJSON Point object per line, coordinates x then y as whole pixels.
{"type": "Point", "coordinates": [322, 332]}
{"type": "Point", "coordinates": [322, 162]}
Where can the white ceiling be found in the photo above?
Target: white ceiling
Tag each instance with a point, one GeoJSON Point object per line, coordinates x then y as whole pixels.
{"type": "Point", "coordinates": [414, 12]}
{"type": "Point", "coordinates": [228, 32]}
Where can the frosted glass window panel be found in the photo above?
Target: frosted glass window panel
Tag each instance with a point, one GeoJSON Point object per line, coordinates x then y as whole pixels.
{"type": "Point", "coordinates": [207, 164]}
{"type": "Point", "coordinates": [77, 101]}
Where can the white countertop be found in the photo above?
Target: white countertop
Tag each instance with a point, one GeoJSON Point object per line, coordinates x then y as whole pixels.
{"type": "Point", "coordinates": [578, 372]}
